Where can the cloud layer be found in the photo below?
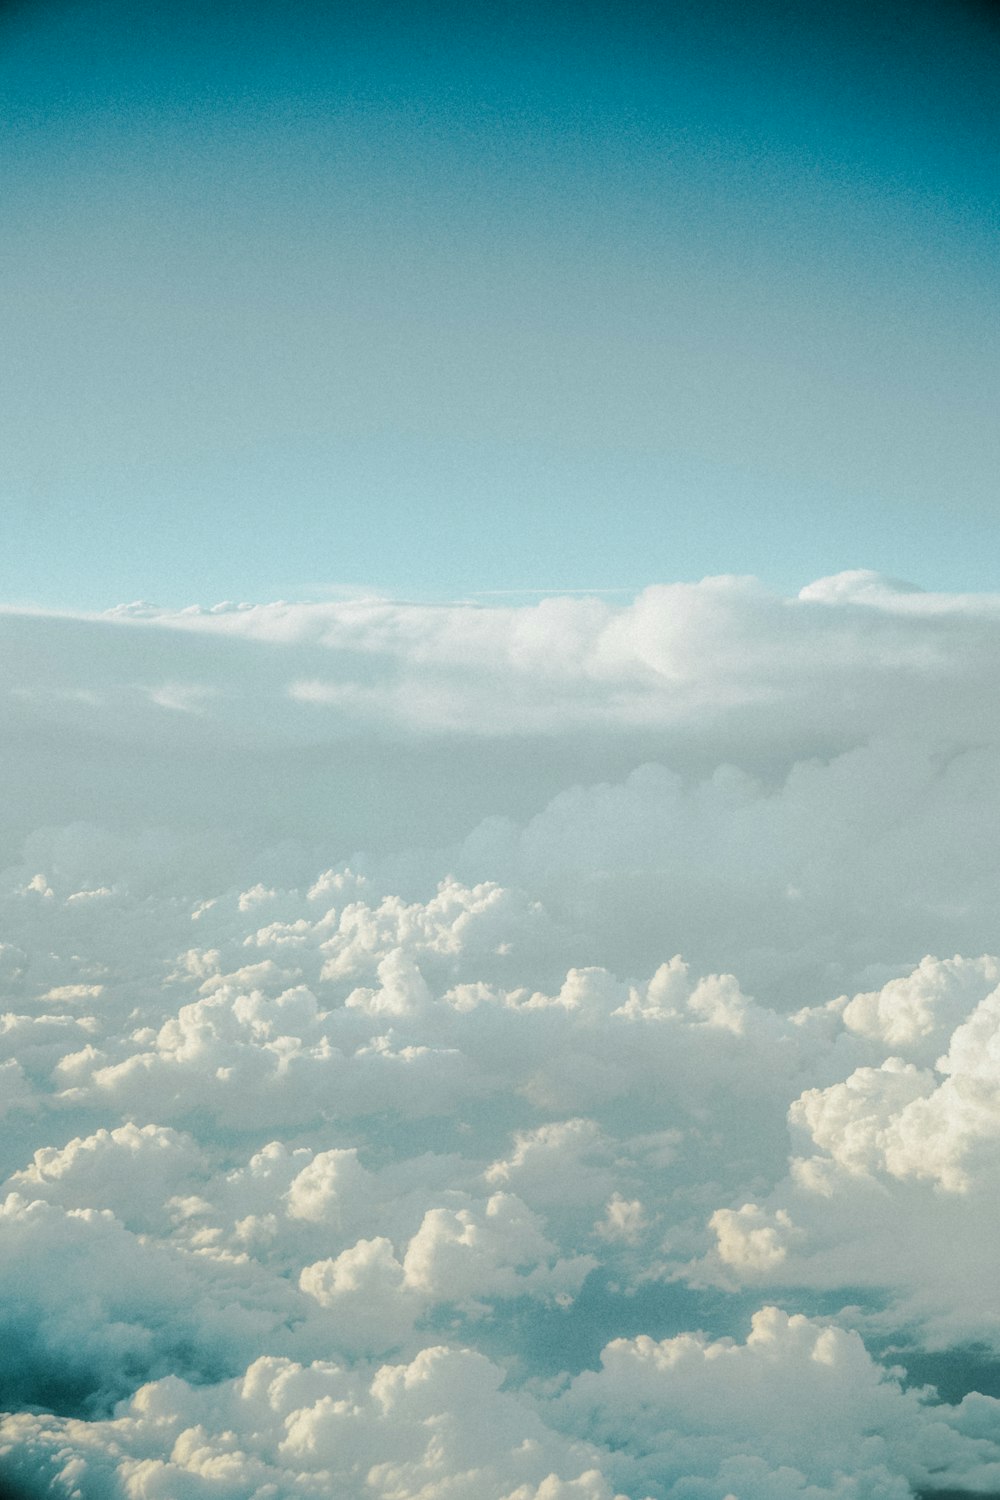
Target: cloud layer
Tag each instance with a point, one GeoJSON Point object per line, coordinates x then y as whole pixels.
{"type": "Point", "coordinates": [495, 1053]}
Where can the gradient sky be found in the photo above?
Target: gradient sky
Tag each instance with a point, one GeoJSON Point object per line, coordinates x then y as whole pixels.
{"type": "Point", "coordinates": [444, 299]}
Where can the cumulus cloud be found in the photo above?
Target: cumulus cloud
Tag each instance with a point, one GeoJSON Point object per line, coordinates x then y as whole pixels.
{"type": "Point", "coordinates": [401, 1003]}
{"type": "Point", "coordinates": [894, 1167]}
{"type": "Point", "coordinates": [940, 1124]}
{"type": "Point", "coordinates": [798, 1409]}
{"type": "Point", "coordinates": [439, 1427]}
{"type": "Point", "coordinates": [750, 1239]}
{"type": "Point", "coordinates": [916, 1013]}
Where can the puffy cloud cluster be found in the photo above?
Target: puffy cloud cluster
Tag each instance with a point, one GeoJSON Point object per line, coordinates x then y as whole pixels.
{"type": "Point", "coordinates": [439, 1427]}
{"type": "Point", "coordinates": [895, 1162]}
{"type": "Point", "coordinates": [940, 1123]}
{"type": "Point", "coordinates": [350, 1145]}
{"type": "Point", "coordinates": [355, 1092]}
{"type": "Point", "coordinates": [798, 1409]}
{"type": "Point", "coordinates": [797, 1412]}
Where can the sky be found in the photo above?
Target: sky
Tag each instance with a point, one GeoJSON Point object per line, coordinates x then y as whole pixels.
{"type": "Point", "coordinates": [438, 301]}
{"type": "Point", "coordinates": [500, 749]}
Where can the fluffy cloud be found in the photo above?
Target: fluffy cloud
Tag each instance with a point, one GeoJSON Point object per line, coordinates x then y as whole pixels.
{"type": "Point", "coordinates": [915, 1014]}
{"type": "Point", "coordinates": [797, 1410]}
{"type": "Point", "coordinates": [751, 1240]}
{"type": "Point", "coordinates": [438, 1427]}
{"type": "Point", "coordinates": [895, 1167]}
{"type": "Point", "coordinates": [131, 1170]}
{"type": "Point", "coordinates": [356, 1091]}
{"type": "Point", "coordinates": [459, 1254]}
{"type": "Point", "coordinates": [941, 1124]}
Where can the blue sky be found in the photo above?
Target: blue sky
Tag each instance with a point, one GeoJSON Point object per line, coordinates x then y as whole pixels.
{"type": "Point", "coordinates": [440, 300]}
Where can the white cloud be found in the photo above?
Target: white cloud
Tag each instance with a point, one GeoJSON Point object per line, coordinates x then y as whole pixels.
{"type": "Point", "coordinates": [798, 1409]}
{"type": "Point", "coordinates": [341, 1025]}
{"type": "Point", "coordinates": [749, 1239]}
{"type": "Point", "coordinates": [495, 1249]}
{"type": "Point", "coordinates": [941, 1124]}
{"type": "Point", "coordinates": [438, 1427]}
{"type": "Point", "coordinates": [130, 1170]}
{"type": "Point", "coordinates": [624, 1220]}
{"type": "Point", "coordinates": [916, 1013]}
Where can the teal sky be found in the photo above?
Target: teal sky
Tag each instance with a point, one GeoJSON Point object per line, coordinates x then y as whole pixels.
{"type": "Point", "coordinates": [440, 299]}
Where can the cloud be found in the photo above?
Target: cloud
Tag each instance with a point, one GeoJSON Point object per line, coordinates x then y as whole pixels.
{"type": "Point", "coordinates": [939, 1124]}
{"type": "Point", "coordinates": [711, 670]}
{"type": "Point", "coordinates": [464, 1253]}
{"type": "Point", "coordinates": [916, 1013]}
{"type": "Point", "coordinates": [894, 1166]}
{"type": "Point", "coordinates": [401, 1002]}
{"type": "Point", "coordinates": [132, 1171]}
{"type": "Point", "coordinates": [799, 1409]}
{"type": "Point", "coordinates": [795, 789]}
{"type": "Point", "coordinates": [750, 1239]}
{"type": "Point", "coordinates": [438, 1426]}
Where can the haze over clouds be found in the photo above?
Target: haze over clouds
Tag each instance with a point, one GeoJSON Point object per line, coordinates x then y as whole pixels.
{"type": "Point", "coordinates": [800, 786]}
{"type": "Point", "coordinates": [484, 1053]}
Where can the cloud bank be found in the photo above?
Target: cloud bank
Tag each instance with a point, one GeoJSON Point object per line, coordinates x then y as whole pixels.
{"type": "Point", "coordinates": [524, 1054]}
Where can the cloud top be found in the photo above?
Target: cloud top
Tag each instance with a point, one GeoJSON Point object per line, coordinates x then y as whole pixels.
{"type": "Point", "coordinates": [539, 1053]}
